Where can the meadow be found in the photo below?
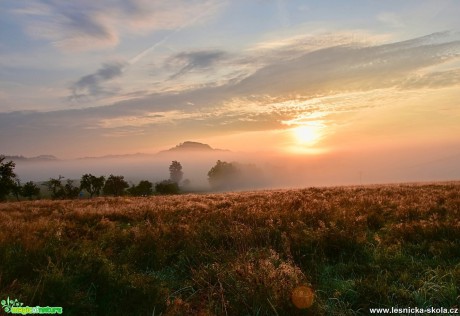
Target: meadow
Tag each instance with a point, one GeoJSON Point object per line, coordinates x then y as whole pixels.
{"type": "Point", "coordinates": [237, 253]}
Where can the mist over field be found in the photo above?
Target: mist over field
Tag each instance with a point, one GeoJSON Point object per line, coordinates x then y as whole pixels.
{"type": "Point", "coordinates": [134, 168]}
{"type": "Point", "coordinates": [277, 170]}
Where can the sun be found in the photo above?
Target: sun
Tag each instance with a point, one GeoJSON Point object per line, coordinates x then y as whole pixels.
{"type": "Point", "coordinates": [307, 134]}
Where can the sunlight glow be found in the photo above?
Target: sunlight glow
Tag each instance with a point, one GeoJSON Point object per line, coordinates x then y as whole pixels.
{"type": "Point", "coordinates": [307, 134]}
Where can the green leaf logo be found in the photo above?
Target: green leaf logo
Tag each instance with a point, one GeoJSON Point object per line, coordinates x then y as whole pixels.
{"type": "Point", "coordinates": [8, 304]}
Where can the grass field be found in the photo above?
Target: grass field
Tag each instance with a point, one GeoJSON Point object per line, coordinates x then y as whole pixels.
{"type": "Point", "coordinates": [236, 253]}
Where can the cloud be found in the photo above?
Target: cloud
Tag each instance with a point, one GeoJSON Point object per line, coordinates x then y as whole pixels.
{"type": "Point", "coordinates": [198, 60]}
{"type": "Point", "coordinates": [301, 44]}
{"type": "Point", "coordinates": [326, 71]}
{"type": "Point", "coordinates": [71, 26]}
{"type": "Point", "coordinates": [327, 80]}
{"type": "Point", "coordinates": [92, 85]}
{"type": "Point", "coordinates": [322, 71]}
{"type": "Point", "coordinates": [91, 25]}
{"type": "Point", "coordinates": [352, 67]}
{"type": "Point", "coordinates": [433, 80]}
{"type": "Point", "coordinates": [335, 81]}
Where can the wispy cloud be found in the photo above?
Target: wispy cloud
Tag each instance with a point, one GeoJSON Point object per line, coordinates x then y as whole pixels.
{"type": "Point", "coordinates": [93, 85]}
{"type": "Point", "coordinates": [197, 60]}
{"type": "Point", "coordinates": [321, 72]}
{"type": "Point", "coordinates": [90, 25]}
{"type": "Point", "coordinates": [350, 67]}
{"type": "Point", "coordinates": [433, 80]}
{"type": "Point", "coordinates": [304, 43]}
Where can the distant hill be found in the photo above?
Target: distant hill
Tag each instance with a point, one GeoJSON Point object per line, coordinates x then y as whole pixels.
{"type": "Point", "coordinates": [189, 146]}
{"type": "Point", "coordinates": [185, 147]}
{"type": "Point", "coordinates": [116, 156]}
{"type": "Point", "coordinates": [36, 158]}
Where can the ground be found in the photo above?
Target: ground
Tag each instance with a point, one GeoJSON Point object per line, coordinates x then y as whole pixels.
{"type": "Point", "coordinates": [242, 253]}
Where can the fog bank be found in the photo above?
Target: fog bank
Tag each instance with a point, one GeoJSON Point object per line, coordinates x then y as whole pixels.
{"type": "Point", "coordinates": [278, 170]}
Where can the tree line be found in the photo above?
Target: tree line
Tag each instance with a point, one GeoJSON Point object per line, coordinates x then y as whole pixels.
{"type": "Point", "coordinates": [222, 176]}
{"type": "Point", "coordinates": [113, 185]}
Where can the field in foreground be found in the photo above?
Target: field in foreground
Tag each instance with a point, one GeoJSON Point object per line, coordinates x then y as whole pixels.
{"type": "Point", "coordinates": [236, 253]}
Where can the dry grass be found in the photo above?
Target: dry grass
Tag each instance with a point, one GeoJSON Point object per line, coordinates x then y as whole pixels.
{"type": "Point", "coordinates": [236, 253]}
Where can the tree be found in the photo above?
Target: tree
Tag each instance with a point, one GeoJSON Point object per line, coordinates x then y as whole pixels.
{"type": "Point", "coordinates": [92, 184]}
{"type": "Point", "coordinates": [7, 177]}
{"type": "Point", "coordinates": [55, 187]}
{"type": "Point", "coordinates": [167, 187]}
{"type": "Point", "coordinates": [223, 175]}
{"type": "Point", "coordinates": [29, 190]}
{"type": "Point", "coordinates": [115, 185]}
{"type": "Point", "coordinates": [16, 188]}
{"type": "Point", "coordinates": [71, 191]}
{"type": "Point", "coordinates": [144, 188]}
{"type": "Point", "coordinates": [175, 172]}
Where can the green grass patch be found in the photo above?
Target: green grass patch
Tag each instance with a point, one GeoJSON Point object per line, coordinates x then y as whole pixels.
{"type": "Point", "coordinates": [236, 253]}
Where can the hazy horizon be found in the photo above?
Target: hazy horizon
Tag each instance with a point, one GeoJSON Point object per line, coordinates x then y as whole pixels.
{"type": "Point", "coordinates": [277, 171]}
{"type": "Point", "coordinates": [313, 93]}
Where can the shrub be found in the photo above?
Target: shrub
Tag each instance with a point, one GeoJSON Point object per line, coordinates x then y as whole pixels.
{"type": "Point", "coordinates": [167, 187]}
{"type": "Point", "coordinates": [144, 188]}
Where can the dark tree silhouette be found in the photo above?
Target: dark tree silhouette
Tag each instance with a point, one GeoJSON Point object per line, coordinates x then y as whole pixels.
{"type": "Point", "coordinates": [92, 184]}
{"type": "Point", "coordinates": [16, 188]}
{"type": "Point", "coordinates": [115, 185]}
{"type": "Point", "coordinates": [175, 172]}
{"type": "Point", "coordinates": [71, 191]}
{"type": "Point", "coordinates": [29, 190]}
{"type": "Point", "coordinates": [55, 187]}
{"type": "Point", "coordinates": [167, 187]}
{"type": "Point", "coordinates": [7, 177]}
{"type": "Point", "coordinates": [142, 189]}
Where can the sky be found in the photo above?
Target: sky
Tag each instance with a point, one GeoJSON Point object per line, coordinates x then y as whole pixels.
{"type": "Point", "coordinates": [306, 79]}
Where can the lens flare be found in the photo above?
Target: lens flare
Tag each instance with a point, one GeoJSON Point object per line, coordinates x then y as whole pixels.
{"type": "Point", "coordinates": [303, 297]}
